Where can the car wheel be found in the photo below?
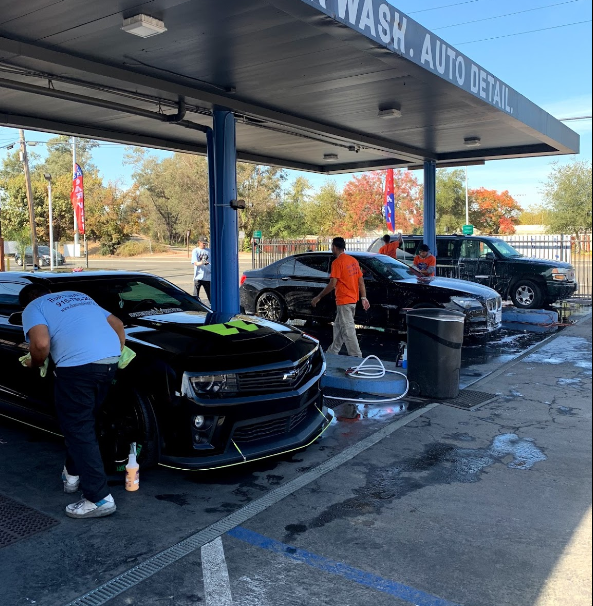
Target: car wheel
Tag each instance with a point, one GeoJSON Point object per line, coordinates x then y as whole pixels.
{"type": "Point", "coordinates": [526, 295]}
{"type": "Point", "coordinates": [270, 306]}
{"type": "Point", "coordinates": [128, 417]}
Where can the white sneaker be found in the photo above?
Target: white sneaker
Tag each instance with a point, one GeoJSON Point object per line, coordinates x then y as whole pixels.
{"type": "Point", "coordinates": [86, 509]}
{"type": "Point", "coordinates": [71, 483]}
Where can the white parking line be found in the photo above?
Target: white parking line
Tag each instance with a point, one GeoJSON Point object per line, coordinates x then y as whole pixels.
{"type": "Point", "coordinates": [217, 586]}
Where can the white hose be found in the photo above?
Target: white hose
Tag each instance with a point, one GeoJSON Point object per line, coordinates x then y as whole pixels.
{"type": "Point", "coordinates": [375, 371]}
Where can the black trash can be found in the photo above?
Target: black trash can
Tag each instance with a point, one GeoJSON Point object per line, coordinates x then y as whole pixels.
{"type": "Point", "coordinates": [435, 337]}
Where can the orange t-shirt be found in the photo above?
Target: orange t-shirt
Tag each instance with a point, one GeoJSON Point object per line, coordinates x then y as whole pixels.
{"type": "Point", "coordinates": [346, 270]}
{"type": "Point", "coordinates": [425, 264]}
{"type": "Point", "coordinates": [390, 250]}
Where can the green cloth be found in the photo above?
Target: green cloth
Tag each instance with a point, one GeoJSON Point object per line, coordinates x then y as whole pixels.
{"type": "Point", "coordinates": [127, 355]}
{"type": "Point", "coordinates": [42, 369]}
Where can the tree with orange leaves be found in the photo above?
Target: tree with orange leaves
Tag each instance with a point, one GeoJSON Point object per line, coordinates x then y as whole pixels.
{"type": "Point", "coordinates": [493, 212]}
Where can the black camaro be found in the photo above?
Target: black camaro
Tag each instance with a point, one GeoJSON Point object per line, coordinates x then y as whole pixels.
{"type": "Point", "coordinates": [284, 290]}
{"type": "Point", "coordinates": [205, 391]}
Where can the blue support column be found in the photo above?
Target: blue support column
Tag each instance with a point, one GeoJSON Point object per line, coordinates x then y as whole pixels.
{"type": "Point", "coordinates": [224, 234]}
{"type": "Point", "coordinates": [430, 205]}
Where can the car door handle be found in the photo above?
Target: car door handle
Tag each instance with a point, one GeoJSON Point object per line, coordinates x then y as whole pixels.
{"type": "Point", "coordinates": [285, 279]}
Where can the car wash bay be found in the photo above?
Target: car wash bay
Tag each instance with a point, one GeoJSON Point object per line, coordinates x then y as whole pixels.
{"type": "Point", "coordinates": [313, 86]}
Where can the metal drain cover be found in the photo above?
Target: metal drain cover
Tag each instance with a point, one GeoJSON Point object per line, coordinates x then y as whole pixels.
{"type": "Point", "coordinates": [17, 521]}
{"type": "Point", "coordinates": [469, 399]}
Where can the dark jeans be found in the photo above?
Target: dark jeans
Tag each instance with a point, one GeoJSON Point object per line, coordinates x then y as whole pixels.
{"type": "Point", "coordinates": [79, 393]}
{"type": "Point", "coordinates": [200, 283]}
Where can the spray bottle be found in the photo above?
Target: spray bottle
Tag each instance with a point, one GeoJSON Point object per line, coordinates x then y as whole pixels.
{"type": "Point", "coordinates": [405, 358]}
{"type": "Point", "coordinates": [132, 470]}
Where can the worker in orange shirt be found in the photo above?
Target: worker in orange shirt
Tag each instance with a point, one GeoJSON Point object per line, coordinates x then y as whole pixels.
{"type": "Point", "coordinates": [390, 248]}
{"type": "Point", "coordinates": [424, 262]}
{"type": "Point", "coordinates": [346, 279]}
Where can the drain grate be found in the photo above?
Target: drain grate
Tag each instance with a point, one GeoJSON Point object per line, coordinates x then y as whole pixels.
{"type": "Point", "coordinates": [469, 399]}
{"type": "Point", "coordinates": [17, 521]}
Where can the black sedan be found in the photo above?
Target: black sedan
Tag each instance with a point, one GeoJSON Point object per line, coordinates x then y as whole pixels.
{"type": "Point", "coordinates": [205, 391]}
{"type": "Point", "coordinates": [284, 290]}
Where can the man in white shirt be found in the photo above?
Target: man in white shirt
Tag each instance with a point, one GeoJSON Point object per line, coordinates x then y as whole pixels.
{"type": "Point", "coordinates": [200, 259]}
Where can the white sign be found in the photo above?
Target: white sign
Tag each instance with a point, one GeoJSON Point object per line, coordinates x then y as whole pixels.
{"type": "Point", "coordinates": [382, 22]}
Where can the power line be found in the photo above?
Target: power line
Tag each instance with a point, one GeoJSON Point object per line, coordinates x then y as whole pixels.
{"type": "Point", "coordinates": [436, 8]}
{"type": "Point", "coordinates": [529, 10]}
{"type": "Point", "coordinates": [533, 31]}
{"type": "Point", "coordinates": [576, 118]}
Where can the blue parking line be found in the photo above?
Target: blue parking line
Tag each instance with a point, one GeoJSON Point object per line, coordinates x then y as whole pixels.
{"type": "Point", "coordinates": [403, 592]}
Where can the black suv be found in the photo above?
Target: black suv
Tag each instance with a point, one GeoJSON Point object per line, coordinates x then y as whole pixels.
{"type": "Point", "coordinates": [529, 283]}
{"type": "Point", "coordinates": [205, 390]}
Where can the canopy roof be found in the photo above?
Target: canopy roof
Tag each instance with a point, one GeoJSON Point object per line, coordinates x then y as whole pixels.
{"type": "Point", "coordinates": [306, 78]}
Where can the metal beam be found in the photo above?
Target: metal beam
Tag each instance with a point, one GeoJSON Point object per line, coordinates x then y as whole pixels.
{"type": "Point", "coordinates": [430, 206]}
{"type": "Point", "coordinates": [13, 49]}
{"type": "Point", "coordinates": [223, 218]}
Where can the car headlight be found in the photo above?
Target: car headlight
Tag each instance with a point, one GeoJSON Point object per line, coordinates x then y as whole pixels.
{"type": "Point", "coordinates": [560, 274]}
{"type": "Point", "coordinates": [466, 302]}
{"type": "Point", "coordinates": [209, 385]}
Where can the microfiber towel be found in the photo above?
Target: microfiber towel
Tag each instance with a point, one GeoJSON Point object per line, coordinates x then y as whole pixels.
{"type": "Point", "coordinates": [42, 369]}
{"type": "Point", "coordinates": [127, 355]}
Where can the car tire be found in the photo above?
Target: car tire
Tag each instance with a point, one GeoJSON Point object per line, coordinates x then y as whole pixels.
{"type": "Point", "coordinates": [128, 417]}
{"type": "Point", "coordinates": [271, 306]}
{"type": "Point", "coordinates": [526, 294]}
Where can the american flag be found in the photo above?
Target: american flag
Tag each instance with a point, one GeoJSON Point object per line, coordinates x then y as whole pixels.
{"type": "Point", "coordinates": [389, 208]}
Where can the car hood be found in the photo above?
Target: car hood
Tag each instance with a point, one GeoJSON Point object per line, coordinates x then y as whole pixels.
{"type": "Point", "coordinates": [459, 286]}
{"type": "Point", "coordinates": [212, 341]}
{"type": "Point", "coordinates": [542, 262]}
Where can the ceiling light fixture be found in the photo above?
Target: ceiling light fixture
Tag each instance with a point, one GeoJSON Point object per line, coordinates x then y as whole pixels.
{"type": "Point", "coordinates": [144, 26]}
{"type": "Point", "coordinates": [472, 142]}
{"type": "Point", "coordinates": [331, 157]}
{"type": "Point", "coordinates": [390, 112]}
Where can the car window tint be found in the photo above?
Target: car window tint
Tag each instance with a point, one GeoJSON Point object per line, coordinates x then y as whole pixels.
{"type": "Point", "coordinates": [312, 267]}
{"type": "Point", "coordinates": [124, 295]}
{"type": "Point", "coordinates": [445, 249]}
{"type": "Point", "coordinates": [470, 249]}
{"type": "Point", "coordinates": [389, 268]}
{"type": "Point", "coordinates": [410, 246]}
{"type": "Point", "coordinates": [286, 268]}
{"type": "Point", "coordinates": [485, 250]}
{"type": "Point", "coordinates": [9, 295]}
{"type": "Point", "coordinates": [376, 245]}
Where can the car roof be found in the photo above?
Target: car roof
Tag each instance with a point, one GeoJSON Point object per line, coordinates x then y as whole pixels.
{"type": "Point", "coordinates": [74, 276]}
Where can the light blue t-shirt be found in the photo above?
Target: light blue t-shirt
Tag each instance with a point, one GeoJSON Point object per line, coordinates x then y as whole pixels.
{"type": "Point", "coordinates": [78, 328]}
{"type": "Point", "coordinates": [203, 272]}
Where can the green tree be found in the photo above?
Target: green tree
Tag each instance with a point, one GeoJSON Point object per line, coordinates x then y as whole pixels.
{"type": "Point", "coordinates": [289, 219]}
{"type": "Point", "coordinates": [325, 213]}
{"type": "Point", "coordinates": [59, 157]}
{"type": "Point", "coordinates": [450, 201]}
{"type": "Point", "coordinates": [568, 196]}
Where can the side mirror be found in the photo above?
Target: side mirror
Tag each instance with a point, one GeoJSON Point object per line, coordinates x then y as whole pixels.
{"type": "Point", "coordinates": [16, 319]}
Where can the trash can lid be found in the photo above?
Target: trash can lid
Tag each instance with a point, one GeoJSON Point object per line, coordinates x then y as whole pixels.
{"type": "Point", "coordinates": [442, 315]}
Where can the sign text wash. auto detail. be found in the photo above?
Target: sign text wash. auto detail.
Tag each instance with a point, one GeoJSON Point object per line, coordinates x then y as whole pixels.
{"type": "Point", "coordinates": [382, 22]}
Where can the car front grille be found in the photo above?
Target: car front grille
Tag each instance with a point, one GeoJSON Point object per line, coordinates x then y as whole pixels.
{"type": "Point", "coordinates": [269, 429]}
{"type": "Point", "coordinates": [276, 380]}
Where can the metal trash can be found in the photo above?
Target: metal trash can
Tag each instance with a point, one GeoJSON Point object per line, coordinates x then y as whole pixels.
{"type": "Point", "coordinates": [435, 337]}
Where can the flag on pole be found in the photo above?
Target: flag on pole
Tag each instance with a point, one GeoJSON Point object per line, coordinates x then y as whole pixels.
{"type": "Point", "coordinates": [77, 197]}
{"type": "Point", "coordinates": [389, 208]}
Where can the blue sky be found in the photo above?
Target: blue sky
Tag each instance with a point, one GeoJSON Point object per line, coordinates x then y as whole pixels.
{"type": "Point", "coordinates": [552, 67]}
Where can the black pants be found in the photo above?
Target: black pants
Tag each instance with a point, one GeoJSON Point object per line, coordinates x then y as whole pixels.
{"type": "Point", "coordinates": [79, 393]}
{"type": "Point", "coordinates": [200, 283]}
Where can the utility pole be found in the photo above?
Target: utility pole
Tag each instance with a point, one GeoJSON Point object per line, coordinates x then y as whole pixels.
{"type": "Point", "coordinates": [76, 233]}
{"type": "Point", "coordinates": [25, 161]}
{"type": "Point", "coordinates": [52, 255]}
{"type": "Point", "coordinates": [2, 267]}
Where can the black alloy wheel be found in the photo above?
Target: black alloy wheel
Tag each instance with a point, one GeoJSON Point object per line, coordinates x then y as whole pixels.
{"type": "Point", "coordinates": [128, 417]}
{"type": "Point", "coordinates": [270, 306]}
{"type": "Point", "coordinates": [526, 294]}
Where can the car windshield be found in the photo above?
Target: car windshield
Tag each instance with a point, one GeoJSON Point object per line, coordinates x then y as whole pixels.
{"type": "Point", "coordinates": [389, 268]}
{"type": "Point", "coordinates": [505, 249]}
{"type": "Point", "coordinates": [136, 297]}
